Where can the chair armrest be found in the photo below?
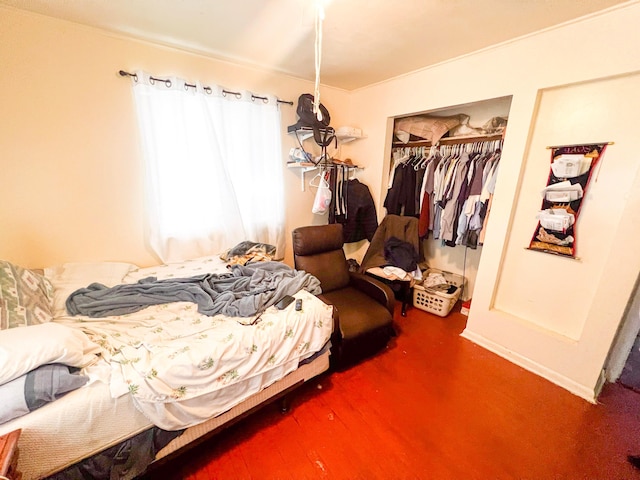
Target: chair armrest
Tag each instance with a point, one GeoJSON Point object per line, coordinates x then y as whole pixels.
{"type": "Point", "coordinates": [374, 288]}
{"type": "Point", "coordinates": [336, 335]}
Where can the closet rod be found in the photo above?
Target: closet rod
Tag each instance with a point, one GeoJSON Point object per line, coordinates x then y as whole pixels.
{"type": "Point", "coordinates": [207, 89]}
{"type": "Point", "coordinates": [449, 141]}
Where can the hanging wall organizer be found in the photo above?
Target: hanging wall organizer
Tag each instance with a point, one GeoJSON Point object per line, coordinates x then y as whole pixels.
{"type": "Point", "coordinates": [572, 167]}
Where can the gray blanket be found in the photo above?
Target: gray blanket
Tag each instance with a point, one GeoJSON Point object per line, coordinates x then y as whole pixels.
{"type": "Point", "coordinates": [243, 292]}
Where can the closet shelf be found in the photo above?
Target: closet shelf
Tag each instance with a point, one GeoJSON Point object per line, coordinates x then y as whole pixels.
{"type": "Point", "coordinates": [309, 167]}
{"type": "Point", "coordinates": [313, 166]}
{"type": "Point", "coordinates": [305, 166]}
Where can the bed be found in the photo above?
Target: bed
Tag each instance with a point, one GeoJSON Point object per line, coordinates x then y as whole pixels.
{"type": "Point", "coordinates": [152, 380]}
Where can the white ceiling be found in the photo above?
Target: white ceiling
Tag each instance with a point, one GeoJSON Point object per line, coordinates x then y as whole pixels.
{"type": "Point", "coordinates": [365, 41]}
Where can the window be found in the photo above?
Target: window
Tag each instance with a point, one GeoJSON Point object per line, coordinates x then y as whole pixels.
{"type": "Point", "coordinates": [213, 164]}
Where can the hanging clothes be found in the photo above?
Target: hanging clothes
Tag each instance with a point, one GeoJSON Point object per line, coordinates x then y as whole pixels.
{"type": "Point", "coordinates": [490, 188]}
{"type": "Point", "coordinates": [361, 220]}
{"type": "Point", "coordinates": [449, 217]}
{"type": "Point", "coordinates": [337, 210]}
{"type": "Point", "coordinates": [448, 190]}
{"type": "Point", "coordinates": [400, 198]}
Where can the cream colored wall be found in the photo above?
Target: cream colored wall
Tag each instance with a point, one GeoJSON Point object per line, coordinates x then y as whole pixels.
{"type": "Point", "coordinates": [537, 338]}
{"type": "Point", "coordinates": [600, 109]}
{"type": "Point", "coordinates": [71, 173]}
{"type": "Point", "coordinates": [71, 182]}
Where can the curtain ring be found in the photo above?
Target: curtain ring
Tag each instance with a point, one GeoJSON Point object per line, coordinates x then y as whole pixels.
{"type": "Point", "coordinates": [207, 90]}
{"type": "Point", "coordinates": [167, 83]}
{"type": "Point", "coordinates": [238, 95]}
{"type": "Point", "coordinates": [152, 80]}
{"type": "Point", "coordinates": [264, 99]}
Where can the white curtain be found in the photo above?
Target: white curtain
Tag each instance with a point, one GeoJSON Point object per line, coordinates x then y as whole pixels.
{"type": "Point", "coordinates": [213, 167]}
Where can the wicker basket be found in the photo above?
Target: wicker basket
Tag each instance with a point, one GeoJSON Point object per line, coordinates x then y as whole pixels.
{"type": "Point", "coordinates": [438, 303]}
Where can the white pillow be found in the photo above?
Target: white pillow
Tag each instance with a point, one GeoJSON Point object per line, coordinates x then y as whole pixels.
{"type": "Point", "coordinates": [69, 277]}
{"type": "Point", "coordinates": [24, 348]}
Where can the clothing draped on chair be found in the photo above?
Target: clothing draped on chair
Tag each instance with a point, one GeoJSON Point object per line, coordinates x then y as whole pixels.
{"type": "Point", "coordinates": [392, 227]}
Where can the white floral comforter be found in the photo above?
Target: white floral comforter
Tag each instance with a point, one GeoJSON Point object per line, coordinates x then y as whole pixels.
{"type": "Point", "coordinates": [182, 367]}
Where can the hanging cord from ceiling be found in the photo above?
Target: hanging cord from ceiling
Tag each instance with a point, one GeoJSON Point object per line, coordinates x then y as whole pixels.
{"type": "Point", "coordinates": [318, 58]}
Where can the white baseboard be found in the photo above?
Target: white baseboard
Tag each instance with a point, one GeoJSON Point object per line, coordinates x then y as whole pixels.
{"type": "Point", "coordinates": [554, 377]}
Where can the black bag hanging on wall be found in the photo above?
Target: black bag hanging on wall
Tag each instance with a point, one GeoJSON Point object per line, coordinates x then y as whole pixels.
{"type": "Point", "coordinates": [323, 134]}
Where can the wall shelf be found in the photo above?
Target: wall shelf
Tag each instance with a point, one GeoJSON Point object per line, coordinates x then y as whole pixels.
{"type": "Point", "coordinates": [305, 133]}
{"type": "Point", "coordinates": [309, 167]}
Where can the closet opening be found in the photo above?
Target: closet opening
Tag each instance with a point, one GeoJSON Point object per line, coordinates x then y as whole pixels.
{"type": "Point", "coordinates": [443, 168]}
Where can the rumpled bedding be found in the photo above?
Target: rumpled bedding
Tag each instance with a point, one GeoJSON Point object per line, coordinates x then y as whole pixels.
{"type": "Point", "coordinates": [243, 292]}
{"type": "Point", "coordinates": [182, 367]}
{"type": "Point", "coordinates": [178, 366]}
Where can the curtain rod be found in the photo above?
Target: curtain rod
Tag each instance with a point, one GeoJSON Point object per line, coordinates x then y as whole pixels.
{"type": "Point", "coordinates": [167, 82]}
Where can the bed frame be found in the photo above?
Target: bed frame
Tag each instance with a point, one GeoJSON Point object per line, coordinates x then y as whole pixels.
{"type": "Point", "coordinates": [279, 391]}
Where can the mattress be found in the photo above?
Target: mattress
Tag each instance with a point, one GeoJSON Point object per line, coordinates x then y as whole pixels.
{"type": "Point", "coordinates": [77, 426]}
{"type": "Point", "coordinates": [65, 432]}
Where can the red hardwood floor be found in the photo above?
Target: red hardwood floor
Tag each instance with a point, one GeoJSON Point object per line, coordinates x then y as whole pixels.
{"type": "Point", "coordinates": [433, 405]}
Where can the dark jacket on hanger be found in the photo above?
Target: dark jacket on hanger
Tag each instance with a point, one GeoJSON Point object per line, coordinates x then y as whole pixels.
{"type": "Point", "coordinates": [361, 221]}
{"type": "Point", "coordinates": [401, 198]}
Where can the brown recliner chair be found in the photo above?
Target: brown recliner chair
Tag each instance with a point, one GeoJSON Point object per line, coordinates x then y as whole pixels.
{"type": "Point", "coordinates": [364, 305]}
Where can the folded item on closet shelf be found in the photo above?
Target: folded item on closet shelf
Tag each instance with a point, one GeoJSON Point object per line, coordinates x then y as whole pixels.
{"type": "Point", "coordinates": [427, 127]}
{"type": "Point", "coordinates": [563, 192]}
{"type": "Point", "coordinates": [404, 137]}
{"type": "Point", "coordinates": [495, 125]}
{"type": "Point", "coordinates": [464, 128]}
